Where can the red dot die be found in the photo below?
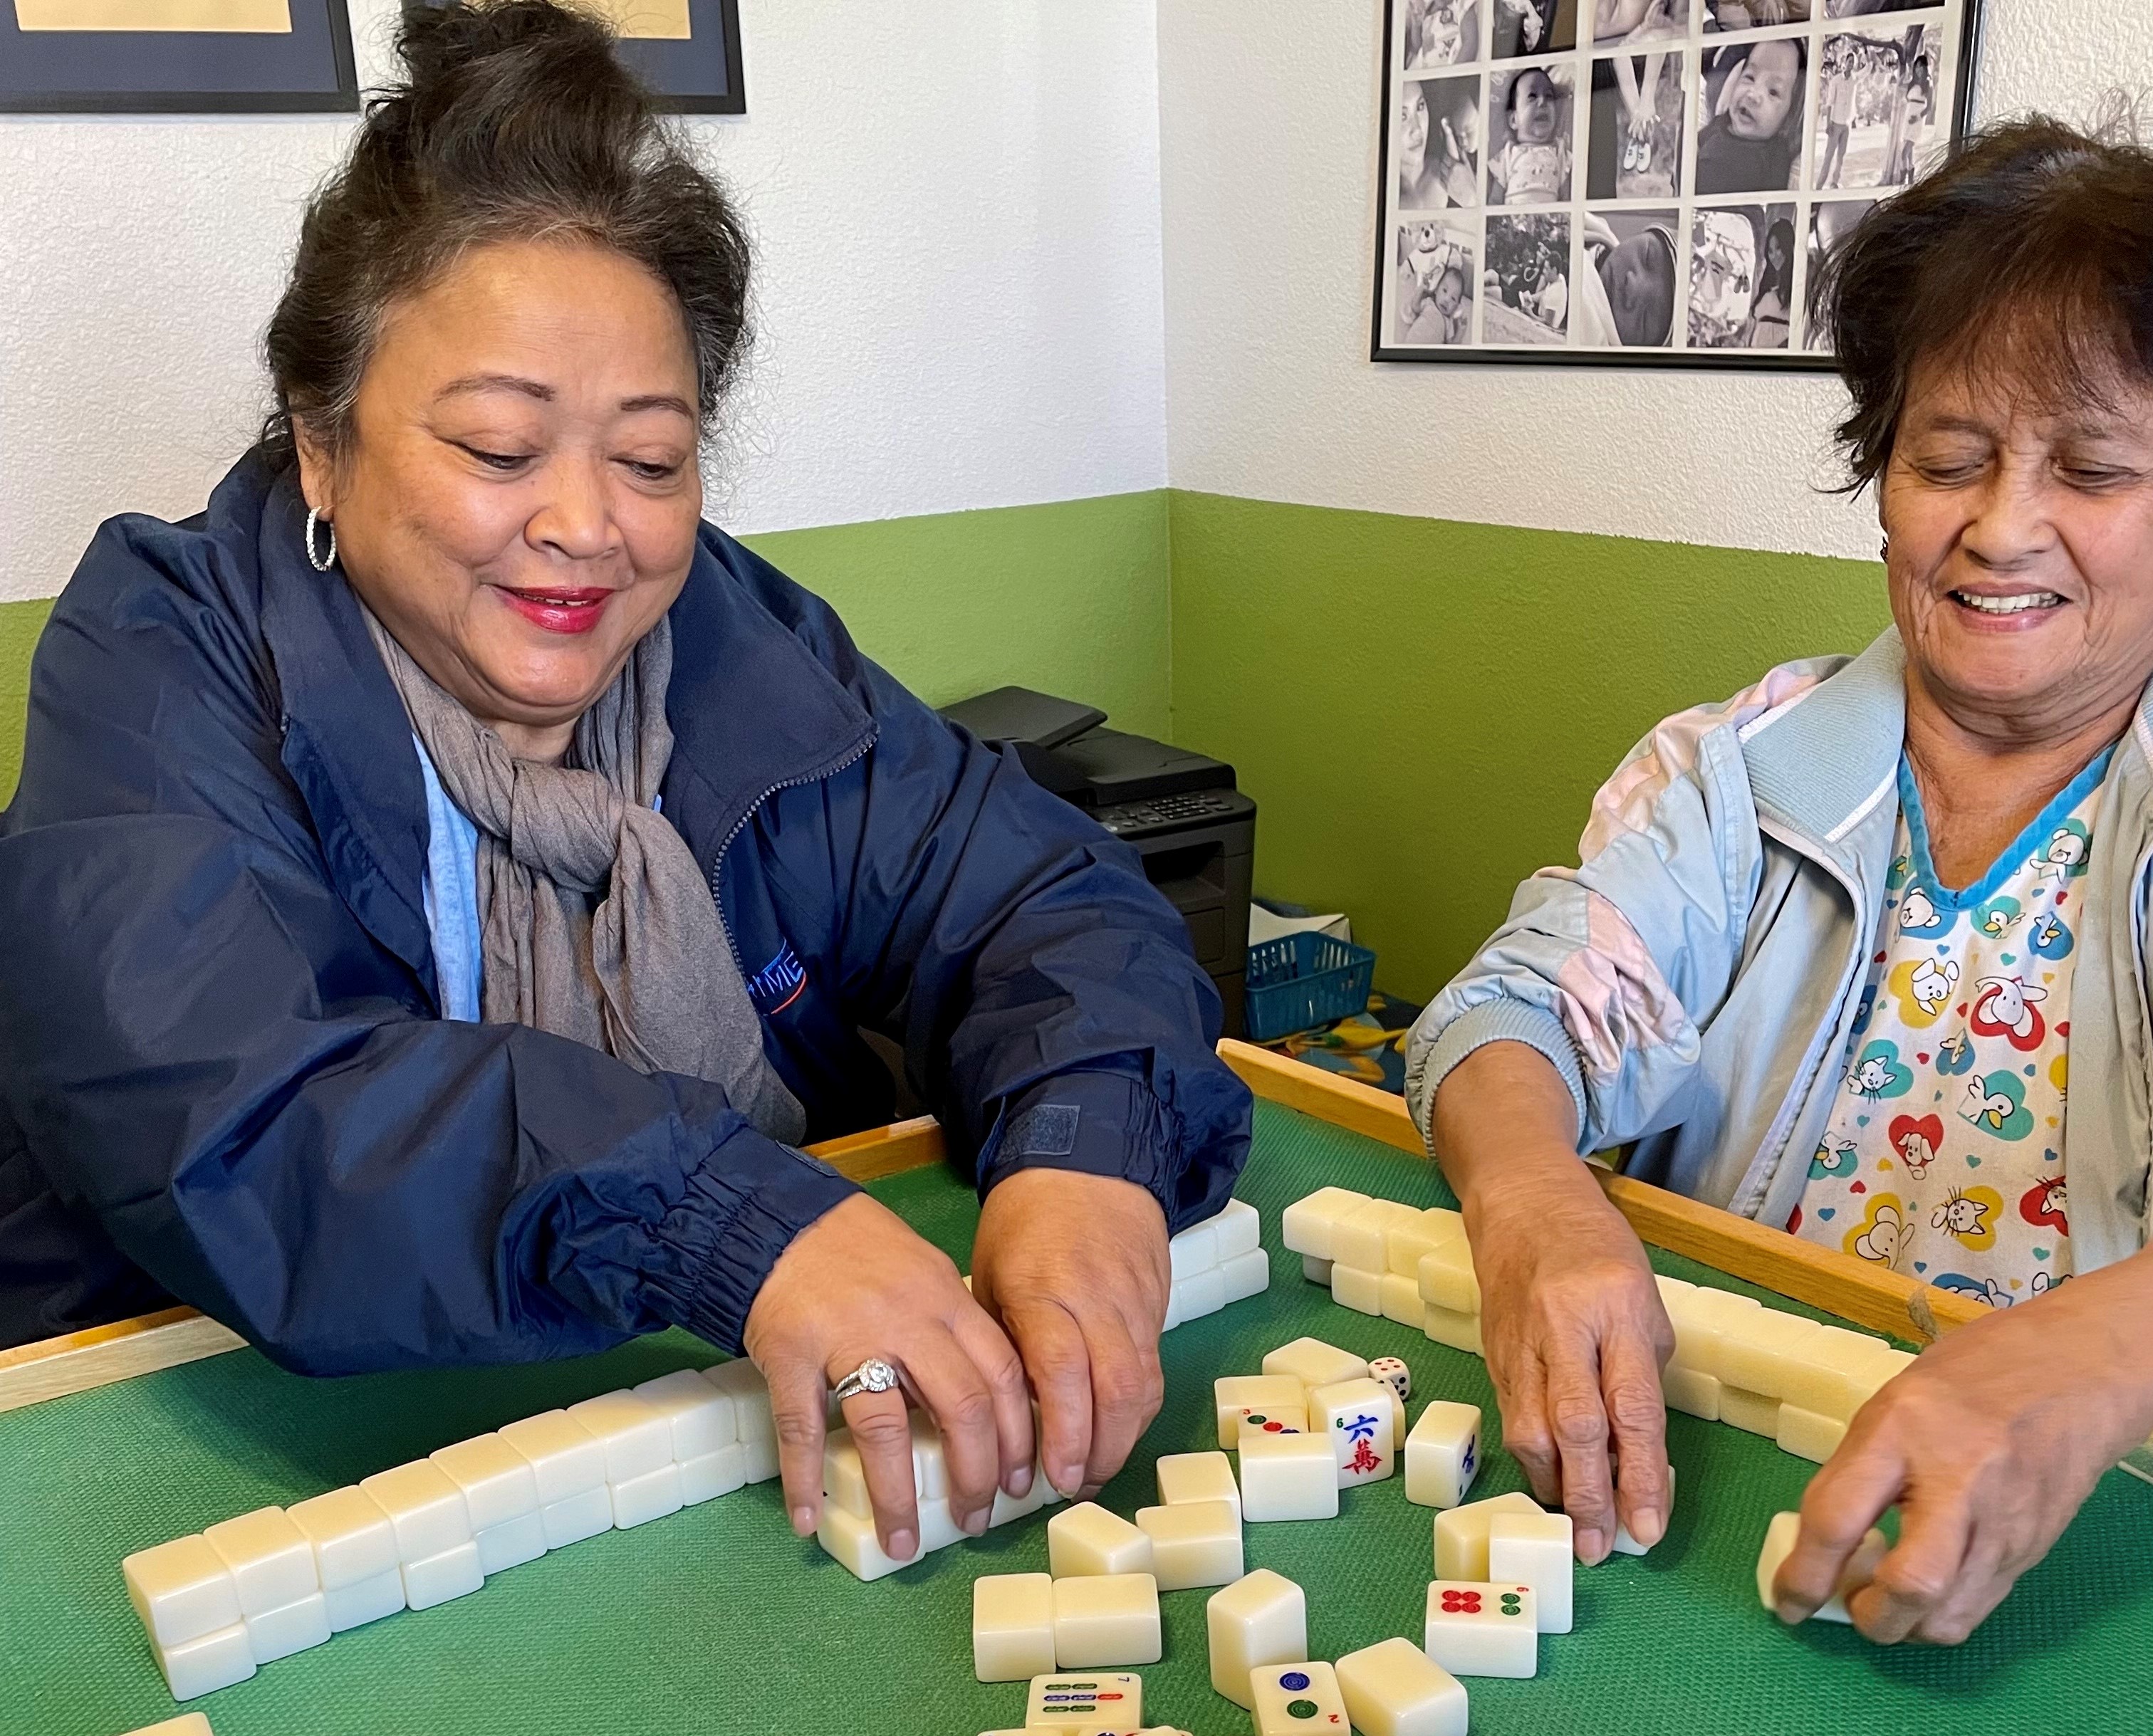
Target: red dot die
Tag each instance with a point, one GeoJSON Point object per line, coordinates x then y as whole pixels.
{"type": "Point", "coordinates": [1393, 1373]}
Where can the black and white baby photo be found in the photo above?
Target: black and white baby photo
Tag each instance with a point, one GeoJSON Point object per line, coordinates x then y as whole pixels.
{"type": "Point", "coordinates": [1525, 289]}
{"type": "Point", "coordinates": [1432, 298]}
{"type": "Point", "coordinates": [1877, 106]}
{"type": "Point", "coordinates": [1529, 127]}
{"type": "Point", "coordinates": [1742, 277]}
{"type": "Point", "coordinates": [1749, 110]}
{"type": "Point", "coordinates": [1439, 143]}
{"type": "Point", "coordinates": [1533, 27]}
{"type": "Point", "coordinates": [1443, 32]}
{"type": "Point", "coordinates": [1635, 132]}
{"type": "Point", "coordinates": [1631, 285]}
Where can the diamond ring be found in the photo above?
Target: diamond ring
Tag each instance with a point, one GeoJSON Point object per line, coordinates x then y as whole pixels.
{"type": "Point", "coordinates": [872, 1376]}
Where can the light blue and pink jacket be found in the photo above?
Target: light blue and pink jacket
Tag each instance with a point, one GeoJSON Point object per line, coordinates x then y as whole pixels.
{"type": "Point", "coordinates": [1695, 979]}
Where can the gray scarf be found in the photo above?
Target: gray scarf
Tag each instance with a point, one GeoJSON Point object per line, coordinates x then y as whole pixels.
{"type": "Point", "coordinates": [596, 923]}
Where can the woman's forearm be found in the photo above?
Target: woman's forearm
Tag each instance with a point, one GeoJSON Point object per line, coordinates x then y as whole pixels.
{"type": "Point", "coordinates": [1503, 1123]}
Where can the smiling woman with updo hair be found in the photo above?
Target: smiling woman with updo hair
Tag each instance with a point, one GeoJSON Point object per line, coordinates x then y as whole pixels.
{"type": "Point", "coordinates": [449, 879]}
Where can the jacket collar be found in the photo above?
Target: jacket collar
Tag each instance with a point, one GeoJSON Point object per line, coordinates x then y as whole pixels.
{"type": "Point", "coordinates": [1822, 764]}
{"type": "Point", "coordinates": [754, 708]}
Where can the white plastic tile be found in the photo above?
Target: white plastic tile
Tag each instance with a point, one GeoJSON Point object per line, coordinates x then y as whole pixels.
{"type": "Point", "coordinates": [652, 1495]}
{"type": "Point", "coordinates": [566, 1457]}
{"type": "Point", "coordinates": [272, 1562]}
{"type": "Point", "coordinates": [425, 1508]}
{"type": "Point", "coordinates": [363, 1601]}
{"type": "Point", "coordinates": [296, 1627]}
{"type": "Point", "coordinates": [1240, 1228]}
{"type": "Point", "coordinates": [497, 1481]}
{"type": "Point", "coordinates": [577, 1517]}
{"type": "Point", "coordinates": [711, 1475]}
{"type": "Point", "coordinates": [1261, 1618]}
{"type": "Point", "coordinates": [1244, 1275]}
{"type": "Point", "coordinates": [204, 1664]}
{"type": "Point", "coordinates": [180, 1591]}
{"type": "Point", "coordinates": [352, 1537]}
{"type": "Point", "coordinates": [635, 1434]}
{"type": "Point", "coordinates": [511, 1543]}
{"type": "Point", "coordinates": [703, 1419]}
{"type": "Point", "coordinates": [453, 1573]}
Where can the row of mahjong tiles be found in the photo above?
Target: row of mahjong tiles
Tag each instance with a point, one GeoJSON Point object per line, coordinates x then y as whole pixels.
{"type": "Point", "coordinates": [1794, 1381]}
{"type": "Point", "coordinates": [266, 1585]}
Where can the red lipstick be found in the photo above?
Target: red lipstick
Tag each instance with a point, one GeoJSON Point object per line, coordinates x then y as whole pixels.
{"type": "Point", "coordinates": [575, 610]}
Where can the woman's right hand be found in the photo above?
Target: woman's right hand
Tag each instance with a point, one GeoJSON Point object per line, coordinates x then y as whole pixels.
{"type": "Point", "coordinates": [858, 1283]}
{"type": "Point", "coordinates": [1575, 1336]}
{"type": "Point", "coordinates": [1571, 1316]}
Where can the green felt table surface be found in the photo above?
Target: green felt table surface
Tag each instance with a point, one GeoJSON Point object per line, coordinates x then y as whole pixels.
{"type": "Point", "coordinates": [719, 1619]}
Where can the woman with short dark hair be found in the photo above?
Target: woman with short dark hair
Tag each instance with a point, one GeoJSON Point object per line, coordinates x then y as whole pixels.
{"type": "Point", "coordinates": [1834, 943]}
{"type": "Point", "coordinates": [449, 880]}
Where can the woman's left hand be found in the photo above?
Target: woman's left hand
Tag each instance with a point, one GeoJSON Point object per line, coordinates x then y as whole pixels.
{"type": "Point", "coordinates": [1075, 1268]}
{"type": "Point", "coordinates": [1987, 1444]}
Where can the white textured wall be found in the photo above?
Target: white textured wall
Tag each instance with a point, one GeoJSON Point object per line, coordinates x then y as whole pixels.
{"type": "Point", "coordinates": [1269, 153]}
{"type": "Point", "coordinates": [956, 206]}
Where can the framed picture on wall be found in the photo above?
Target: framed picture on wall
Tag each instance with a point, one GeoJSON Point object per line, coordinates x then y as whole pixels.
{"type": "Point", "coordinates": [1644, 182]}
{"type": "Point", "coordinates": [75, 57]}
{"type": "Point", "coordinates": [688, 51]}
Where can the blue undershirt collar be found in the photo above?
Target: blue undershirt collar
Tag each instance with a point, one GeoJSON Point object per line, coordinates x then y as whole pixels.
{"type": "Point", "coordinates": [2037, 831]}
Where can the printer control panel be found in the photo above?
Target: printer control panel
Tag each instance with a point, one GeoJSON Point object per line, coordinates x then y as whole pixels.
{"type": "Point", "coordinates": [1165, 812]}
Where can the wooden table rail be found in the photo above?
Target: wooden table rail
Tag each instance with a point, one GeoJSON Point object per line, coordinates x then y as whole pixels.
{"type": "Point", "coordinates": [1854, 1289]}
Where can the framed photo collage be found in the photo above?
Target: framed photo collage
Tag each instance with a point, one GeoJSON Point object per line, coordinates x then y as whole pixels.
{"type": "Point", "coordinates": [1638, 182]}
{"type": "Point", "coordinates": [267, 57]}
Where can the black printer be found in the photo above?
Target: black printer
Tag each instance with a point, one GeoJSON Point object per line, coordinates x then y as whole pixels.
{"type": "Point", "coordinates": [1179, 811]}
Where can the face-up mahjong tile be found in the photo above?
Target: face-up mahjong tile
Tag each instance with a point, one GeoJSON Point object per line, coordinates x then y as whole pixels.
{"type": "Point", "coordinates": [1479, 1628]}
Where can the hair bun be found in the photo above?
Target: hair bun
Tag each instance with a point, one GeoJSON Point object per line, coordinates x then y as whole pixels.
{"type": "Point", "coordinates": [502, 64]}
{"type": "Point", "coordinates": [441, 42]}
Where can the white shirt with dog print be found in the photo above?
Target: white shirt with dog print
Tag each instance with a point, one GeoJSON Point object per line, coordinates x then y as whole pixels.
{"type": "Point", "coordinates": [1944, 1159]}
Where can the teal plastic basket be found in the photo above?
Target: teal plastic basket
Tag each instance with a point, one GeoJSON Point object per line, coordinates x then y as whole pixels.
{"type": "Point", "coordinates": [1300, 981]}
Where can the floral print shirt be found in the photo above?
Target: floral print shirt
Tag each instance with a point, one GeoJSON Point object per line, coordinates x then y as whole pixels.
{"type": "Point", "coordinates": [1944, 1159]}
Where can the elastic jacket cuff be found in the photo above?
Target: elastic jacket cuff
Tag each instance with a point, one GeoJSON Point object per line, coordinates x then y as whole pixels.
{"type": "Point", "coordinates": [1098, 1123]}
{"type": "Point", "coordinates": [1503, 1019]}
{"type": "Point", "coordinates": [718, 1242]}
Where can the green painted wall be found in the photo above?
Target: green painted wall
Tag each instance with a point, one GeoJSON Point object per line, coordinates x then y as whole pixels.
{"type": "Point", "coordinates": [1423, 708]}
{"type": "Point", "coordinates": [1070, 598]}
{"type": "Point", "coordinates": [20, 624]}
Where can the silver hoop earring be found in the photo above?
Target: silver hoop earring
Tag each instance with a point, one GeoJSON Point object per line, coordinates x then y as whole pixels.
{"type": "Point", "coordinates": [320, 563]}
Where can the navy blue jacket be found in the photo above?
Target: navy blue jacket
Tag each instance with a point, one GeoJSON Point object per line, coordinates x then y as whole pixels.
{"type": "Point", "coordinates": [223, 1074]}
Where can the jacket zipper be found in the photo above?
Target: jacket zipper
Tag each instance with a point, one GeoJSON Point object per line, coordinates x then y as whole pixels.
{"type": "Point", "coordinates": [2138, 976]}
{"type": "Point", "coordinates": [1755, 1189]}
{"type": "Point", "coordinates": [717, 862]}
